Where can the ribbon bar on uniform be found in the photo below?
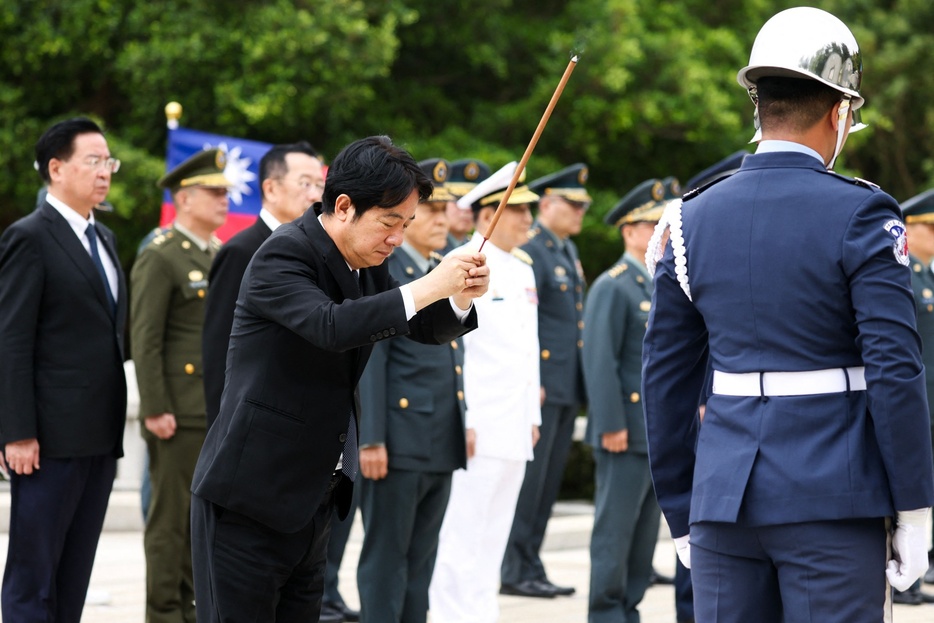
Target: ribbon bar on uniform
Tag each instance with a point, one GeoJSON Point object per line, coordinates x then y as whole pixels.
{"type": "Point", "coordinates": [832, 381]}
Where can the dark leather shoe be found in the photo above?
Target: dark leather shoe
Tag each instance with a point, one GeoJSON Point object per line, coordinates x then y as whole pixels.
{"type": "Point", "coordinates": [529, 588]}
{"type": "Point", "coordinates": [559, 590]}
{"type": "Point", "coordinates": [345, 612]}
{"type": "Point", "coordinates": [658, 578]}
{"type": "Point", "coordinates": [330, 615]}
{"type": "Point", "coordinates": [927, 598]}
{"type": "Point", "coordinates": [907, 598]}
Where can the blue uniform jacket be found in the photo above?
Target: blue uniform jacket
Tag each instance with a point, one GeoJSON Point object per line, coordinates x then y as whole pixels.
{"type": "Point", "coordinates": [791, 268]}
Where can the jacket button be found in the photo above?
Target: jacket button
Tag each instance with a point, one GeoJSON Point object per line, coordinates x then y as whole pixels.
{"type": "Point", "coordinates": [546, 354]}
{"type": "Point", "coordinates": [454, 344]}
{"type": "Point", "coordinates": [580, 324]}
{"type": "Point", "coordinates": [458, 370]}
{"type": "Point", "coordinates": [460, 394]}
{"type": "Point", "coordinates": [342, 438]}
{"type": "Point", "coordinates": [189, 368]}
{"type": "Point", "coordinates": [634, 397]}
{"type": "Point", "coordinates": [579, 306]}
{"type": "Point", "coordinates": [564, 287]}
{"type": "Point", "coordinates": [372, 338]}
{"type": "Point", "coordinates": [404, 403]}
{"type": "Point", "coordinates": [580, 343]}
{"type": "Point", "coordinates": [201, 293]}
{"type": "Point", "coordinates": [392, 331]}
{"type": "Point", "coordinates": [386, 333]}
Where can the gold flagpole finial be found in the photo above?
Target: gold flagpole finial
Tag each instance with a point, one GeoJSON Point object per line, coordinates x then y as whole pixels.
{"type": "Point", "coordinates": [173, 112]}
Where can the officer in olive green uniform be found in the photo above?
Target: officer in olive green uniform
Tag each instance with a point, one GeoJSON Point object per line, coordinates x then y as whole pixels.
{"type": "Point", "coordinates": [626, 514]}
{"type": "Point", "coordinates": [919, 221]}
{"type": "Point", "coordinates": [559, 278]}
{"type": "Point", "coordinates": [168, 285]}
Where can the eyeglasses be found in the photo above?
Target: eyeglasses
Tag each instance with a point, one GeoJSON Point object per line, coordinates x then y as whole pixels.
{"type": "Point", "coordinates": [108, 164]}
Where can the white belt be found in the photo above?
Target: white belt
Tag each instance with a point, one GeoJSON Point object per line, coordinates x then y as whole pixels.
{"type": "Point", "coordinates": [832, 381]}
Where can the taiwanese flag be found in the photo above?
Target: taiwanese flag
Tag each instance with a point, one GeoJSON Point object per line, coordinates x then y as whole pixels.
{"type": "Point", "coordinates": [243, 158]}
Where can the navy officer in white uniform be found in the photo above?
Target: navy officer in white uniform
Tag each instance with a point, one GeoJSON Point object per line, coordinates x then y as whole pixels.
{"type": "Point", "coordinates": [794, 282]}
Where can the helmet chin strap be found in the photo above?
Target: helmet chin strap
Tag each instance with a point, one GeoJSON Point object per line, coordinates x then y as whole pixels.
{"type": "Point", "coordinates": [842, 115]}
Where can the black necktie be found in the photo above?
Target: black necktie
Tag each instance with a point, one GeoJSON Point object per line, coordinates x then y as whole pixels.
{"type": "Point", "coordinates": [91, 233]}
{"type": "Point", "coordinates": [349, 460]}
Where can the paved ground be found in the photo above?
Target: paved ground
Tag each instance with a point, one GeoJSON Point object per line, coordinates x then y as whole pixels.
{"type": "Point", "coordinates": [119, 575]}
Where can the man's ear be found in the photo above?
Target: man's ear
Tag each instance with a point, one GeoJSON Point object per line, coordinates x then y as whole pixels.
{"type": "Point", "coordinates": [269, 187]}
{"type": "Point", "coordinates": [343, 208]}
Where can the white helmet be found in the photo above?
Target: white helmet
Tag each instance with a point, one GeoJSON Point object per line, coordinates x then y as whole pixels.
{"type": "Point", "coordinates": [805, 42]}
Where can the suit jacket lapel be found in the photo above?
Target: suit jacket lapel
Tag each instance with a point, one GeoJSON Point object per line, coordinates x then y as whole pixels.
{"type": "Point", "coordinates": [332, 257]}
{"type": "Point", "coordinates": [74, 249]}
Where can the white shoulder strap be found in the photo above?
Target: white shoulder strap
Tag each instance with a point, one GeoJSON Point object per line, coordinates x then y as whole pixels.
{"type": "Point", "coordinates": [671, 219]}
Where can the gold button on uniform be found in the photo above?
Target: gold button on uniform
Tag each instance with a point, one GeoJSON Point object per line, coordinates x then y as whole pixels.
{"type": "Point", "coordinates": [201, 293]}
{"type": "Point", "coordinates": [404, 403]}
{"type": "Point", "coordinates": [580, 343]}
{"type": "Point", "coordinates": [634, 397]}
{"type": "Point", "coordinates": [458, 370]}
{"type": "Point", "coordinates": [454, 345]}
{"type": "Point", "coordinates": [579, 306]}
{"type": "Point", "coordinates": [189, 368]}
{"type": "Point", "coordinates": [460, 394]}
{"type": "Point", "coordinates": [645, 305]}
{"type": "Point", "coordinates": [580, 324]}
{"type": "Point", "coordinates": [546, 354]}
{"type": "Point", "coordinates": [186, 244]}
{"type": "Point", "coordinates": [564, 287]}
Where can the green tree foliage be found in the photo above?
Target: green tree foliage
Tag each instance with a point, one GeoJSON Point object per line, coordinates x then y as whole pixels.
{"type": "Point", "coordinates": [654, 93]}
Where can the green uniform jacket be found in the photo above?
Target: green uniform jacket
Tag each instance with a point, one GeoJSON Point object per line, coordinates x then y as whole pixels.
{"type": "Point", "coordinates": [615, 316]}
{"type": "Point", "coordinates": [168, 285]}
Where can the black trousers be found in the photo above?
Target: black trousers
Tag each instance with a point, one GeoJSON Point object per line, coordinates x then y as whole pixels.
{"type": "Point", "coordinates": [55, 524]}
{"type": "Point", "coordinates": [246, 572]}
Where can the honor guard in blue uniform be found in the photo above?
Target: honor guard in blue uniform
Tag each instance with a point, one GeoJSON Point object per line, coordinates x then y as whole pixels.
{"type": "Point", "coordinates": [919, 224]}
{"type": "Point", "coordinates": [795, 283]}
{"type": "Point", "coordinates": [168, 289]}
{"type": "Point", "coordinates": [626, 515]}
{"type": "Point", "coordinates": [411, 438]}
{"type": "Point", "coordinates": [463, 176]}
{"type": "Point", "coordinates": [559, 278]}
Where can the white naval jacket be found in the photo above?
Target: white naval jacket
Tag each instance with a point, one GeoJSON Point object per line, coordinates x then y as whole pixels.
{"type": "Point", "coordinates": [501, 367]}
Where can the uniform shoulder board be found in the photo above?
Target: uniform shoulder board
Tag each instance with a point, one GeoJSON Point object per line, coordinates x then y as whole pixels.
{"type": "Point", "coordinates": [533, 232]}
{"type": "Point", "coordinates": [215, 242]}
{"type": "Point", "coordinates": [435, 256]}
{"type": "Point", "coordinates": [618, 270]}
{"type": "Point", "coordinates": [696, 191]}
{"type": "Point", "coordinates": [856, 180]}
{"type": "Point", "coordinates": [522, 255]}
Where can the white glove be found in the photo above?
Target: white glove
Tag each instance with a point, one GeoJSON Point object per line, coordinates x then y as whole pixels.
{"type": "Point", "coordinates": [683, 548]}
{"type": "Point", "coordinates": [909, 549]}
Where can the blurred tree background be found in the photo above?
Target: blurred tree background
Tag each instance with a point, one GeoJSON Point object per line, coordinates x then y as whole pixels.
{"type": "Point", "coordinates": [654, 94]}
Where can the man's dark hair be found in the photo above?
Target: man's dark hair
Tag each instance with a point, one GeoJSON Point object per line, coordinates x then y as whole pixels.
{"type": "Point", "coordinates": [273, 164]}
{"type": "Point", "coordinates": [59, 142]}
{"type": "Point", "coordinates": [374, 172]}
{"type": "Point", "coordinates": [793, 103]}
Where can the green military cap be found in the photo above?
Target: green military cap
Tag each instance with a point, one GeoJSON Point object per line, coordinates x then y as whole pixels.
{"type": "Point", "coordinates": [920, 208]}
{"type": "Point", "coordinates": [205, 168]}
{"type": "Point", "coordinates": [465, 174]}
{"type": "Point", "coordinates": [644, 203]}
{"type": "Point", "coordinates": [438, 169]}
{"type": "Point", "coordinates": [489, 192]}
{"type": "Point", "coordinates": [567, 183]}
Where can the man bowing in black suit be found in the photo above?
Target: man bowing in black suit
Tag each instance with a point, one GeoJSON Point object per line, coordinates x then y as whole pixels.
{"type": "Point", "coordinates": [283, 450]}
{"type": "Point", "coordinates": [62, 385]}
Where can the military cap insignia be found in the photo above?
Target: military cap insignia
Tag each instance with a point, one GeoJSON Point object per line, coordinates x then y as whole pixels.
{"type": "Point", "coordinates": [440, 172]}
{"type": "Point", "coordinates": [675, 187]}
{"type": "Point", "coordinates": [221, 159]}
{"type": "Point", "coordinates": [582, 176]}
{"type": "Point", "coordinates": [471, 171]}
{"type": "Point", "coordinates": [658, 191]}
{"type": "Point", "coordinates": [900, 246]}
{"type": "Point", "coordinates": [195, 275]}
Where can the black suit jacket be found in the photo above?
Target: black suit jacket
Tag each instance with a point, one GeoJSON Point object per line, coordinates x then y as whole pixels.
{"type": "Point", "coordinates": [223, 285]}
{"type": "Point", "coordinates": [61, 344]}
{"type": "Point", "coordinates": [302, 334]}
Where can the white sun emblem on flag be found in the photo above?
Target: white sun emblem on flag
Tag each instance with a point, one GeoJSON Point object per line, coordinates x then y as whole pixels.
{"type": "Point", "coordinates": [237, 171]}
